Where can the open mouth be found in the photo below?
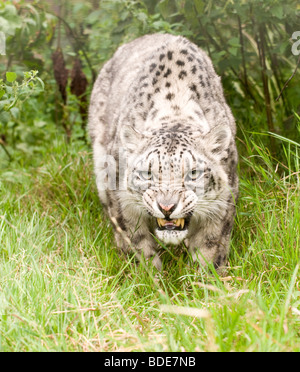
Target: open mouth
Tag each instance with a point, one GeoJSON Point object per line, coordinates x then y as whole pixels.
{"type": "Point", "coordinates": [178, 224]}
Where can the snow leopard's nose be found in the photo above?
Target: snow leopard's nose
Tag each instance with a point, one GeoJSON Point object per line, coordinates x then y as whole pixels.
{"type": "Point", "coordinates": [166, 208]}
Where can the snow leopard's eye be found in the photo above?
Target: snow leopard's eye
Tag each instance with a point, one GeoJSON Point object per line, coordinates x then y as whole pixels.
{"type": "Point", "coordinates": [145, 175]}
{"type": "Point", "coordinates": [194, 175]}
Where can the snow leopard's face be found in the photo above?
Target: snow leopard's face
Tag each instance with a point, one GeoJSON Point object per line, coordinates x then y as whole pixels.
{"type": "Point", "coordinates": [177, 180]}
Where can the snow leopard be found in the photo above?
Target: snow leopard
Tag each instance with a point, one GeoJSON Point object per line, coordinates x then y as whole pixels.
{"type": "Point", "coordinates": [164, 151]}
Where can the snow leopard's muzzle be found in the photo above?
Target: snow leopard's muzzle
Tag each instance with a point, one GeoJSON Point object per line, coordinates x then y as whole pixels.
{"type": "Point", "coordinates": [172, 211]}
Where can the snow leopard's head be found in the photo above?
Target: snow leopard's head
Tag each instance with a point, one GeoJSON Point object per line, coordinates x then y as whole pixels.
{"type": "Point", "coordinates": [174, 178]}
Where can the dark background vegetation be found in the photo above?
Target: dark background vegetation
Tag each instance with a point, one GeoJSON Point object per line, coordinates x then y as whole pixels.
{"type": "Point", "coordinates": [68, 41]}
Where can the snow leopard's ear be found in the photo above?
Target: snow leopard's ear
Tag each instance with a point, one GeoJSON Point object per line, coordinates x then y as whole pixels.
{"type": "Point", "coordinates": [218, 140]}
{"type": "Point", "coordinates": [130, 137]}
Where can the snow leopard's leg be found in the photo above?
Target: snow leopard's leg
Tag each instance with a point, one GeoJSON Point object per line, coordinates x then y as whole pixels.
{"type": "Point", "coordinates": [133, 236]}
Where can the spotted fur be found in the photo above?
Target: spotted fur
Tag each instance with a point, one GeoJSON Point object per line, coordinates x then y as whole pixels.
{"type": "Point", "coordinates": [159, 104]}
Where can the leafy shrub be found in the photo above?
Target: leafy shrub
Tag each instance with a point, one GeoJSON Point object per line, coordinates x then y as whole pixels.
{"type": "Point", "coordinates": [12, 98]}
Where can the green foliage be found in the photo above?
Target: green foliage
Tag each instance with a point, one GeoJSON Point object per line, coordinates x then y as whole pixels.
{"type": "Point", "coordinates": [27, 30]}
{"type": "Point", "coordinates": [12, 98]}
{"type": "Point", "coordinates": [62, 284]}
{"type": "Point", "coordinates": [9, 19]}
{"type": "Point", "coordinates": [16, 93]}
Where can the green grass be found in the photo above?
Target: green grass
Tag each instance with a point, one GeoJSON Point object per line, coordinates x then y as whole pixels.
{"type": "Point", "coordinates": [64, 287]}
